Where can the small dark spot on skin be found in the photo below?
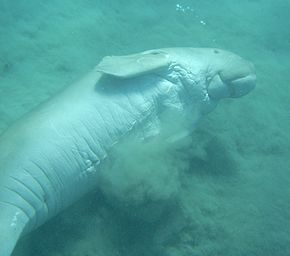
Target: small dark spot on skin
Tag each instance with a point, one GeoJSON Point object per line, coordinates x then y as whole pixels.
{"type": "Point", "coordinates": [5, 67]}
{"type": "Point", "coordinates": [155, 53]}
{"type": "Point", "coordinates": [216, 51]}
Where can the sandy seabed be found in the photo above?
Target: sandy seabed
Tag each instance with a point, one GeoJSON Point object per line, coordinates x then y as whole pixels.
{"type": "Point", "coordinates": [228, 186]}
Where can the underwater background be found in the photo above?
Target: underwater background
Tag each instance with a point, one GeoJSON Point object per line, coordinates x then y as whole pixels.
{"type": "Point", "coordinates": [225, 190]}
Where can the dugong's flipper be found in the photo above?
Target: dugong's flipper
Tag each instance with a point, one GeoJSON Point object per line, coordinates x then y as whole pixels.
{"type": "Point", "coordinates": [133, 65]}
{"type": "Point", "coordinates": [12, 228]}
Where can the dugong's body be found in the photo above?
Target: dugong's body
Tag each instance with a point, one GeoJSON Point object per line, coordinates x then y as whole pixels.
{"type": "Point", "coordinates": [53, 155]}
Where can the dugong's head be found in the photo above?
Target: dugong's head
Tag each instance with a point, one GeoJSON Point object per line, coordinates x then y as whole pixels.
{"type": "Point", "coordinates": [226, 74]}
{"type": "Point", "coordinates": [233, 76]}
{"type": "Point", "coordinates": [221, 73]}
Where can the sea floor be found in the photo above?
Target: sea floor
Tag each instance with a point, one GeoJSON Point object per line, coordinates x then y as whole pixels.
{"type": "Point", "coordinates": [228, 186]}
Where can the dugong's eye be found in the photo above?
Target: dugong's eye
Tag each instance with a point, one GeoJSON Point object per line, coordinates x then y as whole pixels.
{"type": "Point", "coordinates": [216, 51]}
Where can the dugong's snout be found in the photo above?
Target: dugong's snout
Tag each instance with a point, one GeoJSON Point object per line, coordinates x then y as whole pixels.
{"type": "Point", "coordinates": [243, 84]}
{"type": "Point", "coordinates": [235, 77]}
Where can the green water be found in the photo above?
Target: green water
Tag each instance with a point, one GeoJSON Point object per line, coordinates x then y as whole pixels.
{"type": "Point", "coordinates": [224, 192]}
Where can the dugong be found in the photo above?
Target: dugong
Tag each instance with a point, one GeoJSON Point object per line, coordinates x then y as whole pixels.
{"type": "Point", "coordinates": [52, 156]}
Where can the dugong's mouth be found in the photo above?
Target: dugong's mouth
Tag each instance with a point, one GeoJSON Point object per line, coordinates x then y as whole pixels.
{"type": "Point", "coordinates": [241, 86]}
{"type": "Point", "coordinates": [233, 84]}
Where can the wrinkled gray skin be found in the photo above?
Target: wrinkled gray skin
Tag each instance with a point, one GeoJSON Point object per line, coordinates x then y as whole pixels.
{"type": "Point", "coordinates": [52, 156]}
